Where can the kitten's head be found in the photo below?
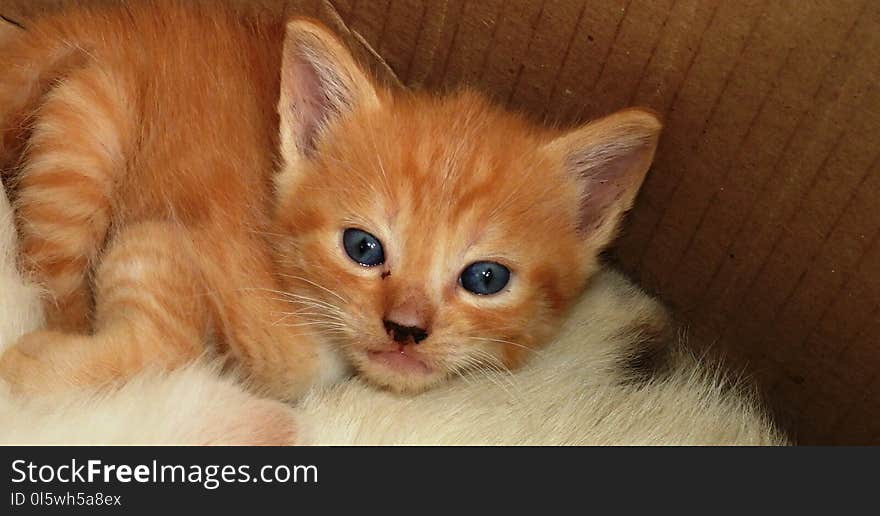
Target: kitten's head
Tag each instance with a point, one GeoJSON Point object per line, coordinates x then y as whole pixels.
{"type": "Point", "coordinates": [430, 235]}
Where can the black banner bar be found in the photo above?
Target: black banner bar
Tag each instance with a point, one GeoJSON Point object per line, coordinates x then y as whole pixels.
{"type": "Point", "coordinates": [132, 480]}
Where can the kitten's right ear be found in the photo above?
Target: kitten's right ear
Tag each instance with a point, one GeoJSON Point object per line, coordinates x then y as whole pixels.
{"type": "Point", "coordinates": [609, 159]}
{"type": "Point", "coordinates": [320, 81]}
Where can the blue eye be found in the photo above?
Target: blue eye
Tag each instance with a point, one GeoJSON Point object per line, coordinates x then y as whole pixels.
{"type": "Point", "coordinates": [485, 278]}
{"type": "Point", "coordinates": [363, 247]}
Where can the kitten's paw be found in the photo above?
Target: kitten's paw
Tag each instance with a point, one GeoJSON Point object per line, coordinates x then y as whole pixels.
{"type": "Point", "coordinates": [32, 366]}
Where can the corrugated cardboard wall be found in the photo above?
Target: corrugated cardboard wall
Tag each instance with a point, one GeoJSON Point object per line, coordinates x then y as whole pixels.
{"type": "Point", "coordinates": [759, 222]}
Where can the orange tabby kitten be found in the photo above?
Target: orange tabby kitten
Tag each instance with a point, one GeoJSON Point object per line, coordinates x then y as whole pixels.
{"type": "Point", "coordinates": [421, 236]}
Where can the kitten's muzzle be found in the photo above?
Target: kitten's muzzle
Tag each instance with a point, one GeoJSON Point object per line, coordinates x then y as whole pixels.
{"type": "Point", "coordinates": [403, 334]}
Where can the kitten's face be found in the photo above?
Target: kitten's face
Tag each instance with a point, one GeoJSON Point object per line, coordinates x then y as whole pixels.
{"type": "Point", "coordinates": [428, 236]}
{"type": "Point", "coordinates": [447, 237]}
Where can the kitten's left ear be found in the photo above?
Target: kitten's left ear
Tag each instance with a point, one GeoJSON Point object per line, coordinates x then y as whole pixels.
{"type": "Point", "coordinates": [609, 159]}
{"type": "Point", "coordinates": [320, 82]}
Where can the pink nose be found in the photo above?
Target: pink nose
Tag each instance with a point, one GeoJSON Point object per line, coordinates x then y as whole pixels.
{"type": "Point", "coordinates": [403, 334]}
{"type": "Point", "coordinates": [407, 313]}
{"type": "Point", "coordinates": [407, 321]}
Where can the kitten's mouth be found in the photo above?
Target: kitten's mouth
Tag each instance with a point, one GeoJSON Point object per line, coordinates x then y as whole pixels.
{"type": "Point", "coordinates": [401, 360]}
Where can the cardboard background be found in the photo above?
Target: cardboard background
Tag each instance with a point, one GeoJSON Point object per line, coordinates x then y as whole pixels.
{"type": "Point", "coordinates": [759, 222]}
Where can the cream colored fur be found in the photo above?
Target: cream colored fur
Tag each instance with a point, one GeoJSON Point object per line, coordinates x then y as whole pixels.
{"type": "Point", "coordinates": [573, 392]}
{"type": "Point", "coordinates": [19, 307]}
{"type": "Point", "coordinates": [191, 406]}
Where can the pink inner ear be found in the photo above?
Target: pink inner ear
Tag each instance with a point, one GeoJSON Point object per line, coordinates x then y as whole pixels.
{"type": "Point", "coordinates": [610, 184]}
{"type": "Point", "coordinates": [309, 106]}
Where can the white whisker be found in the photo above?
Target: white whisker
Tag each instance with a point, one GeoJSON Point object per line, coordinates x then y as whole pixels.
{"type": "Point", "coordinates": [310, 282]}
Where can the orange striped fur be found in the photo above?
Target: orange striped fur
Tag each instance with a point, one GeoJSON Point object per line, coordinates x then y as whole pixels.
{"type": "Point", "coordinates": [152, 206]}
